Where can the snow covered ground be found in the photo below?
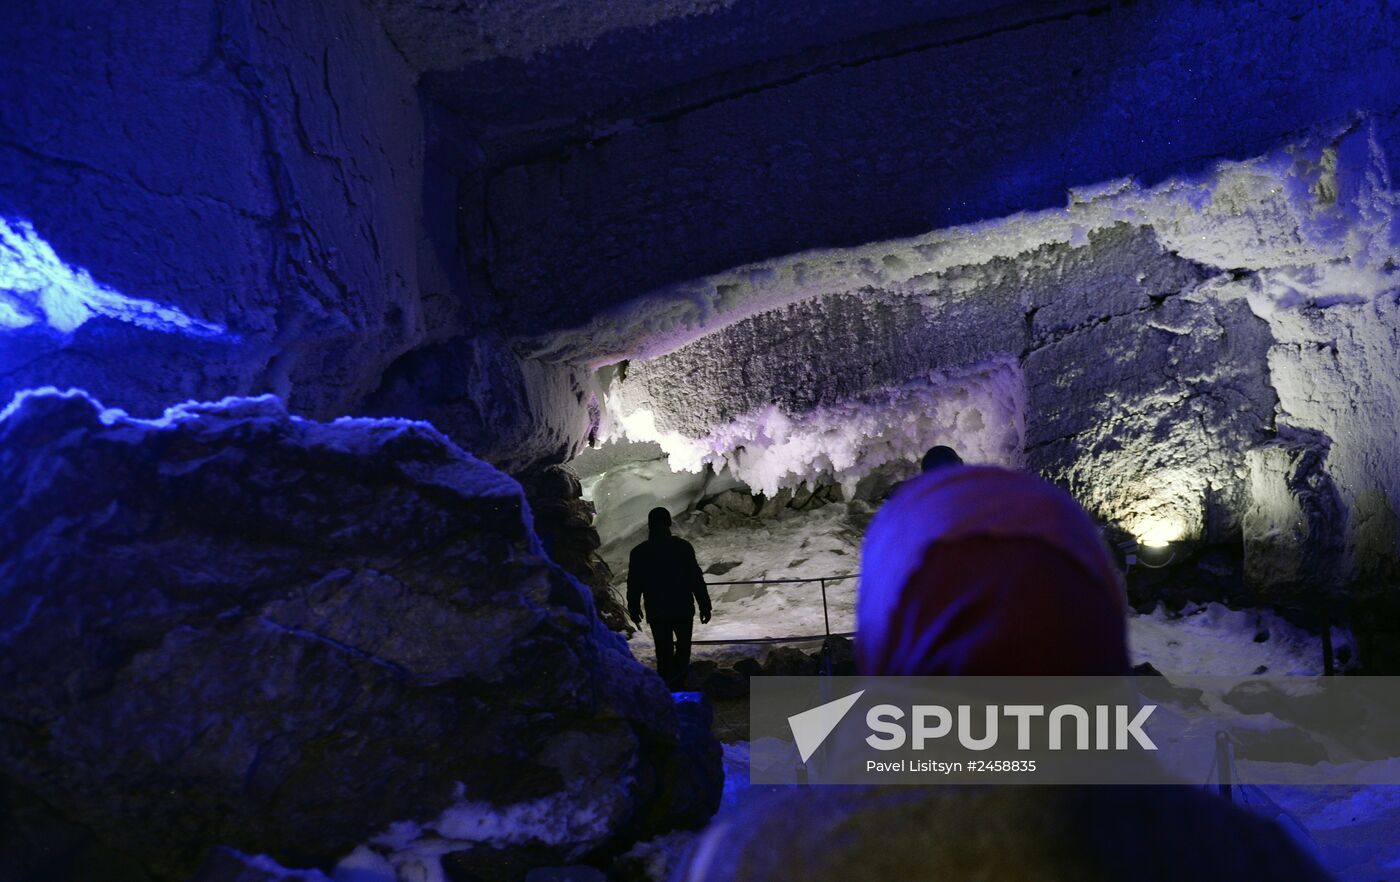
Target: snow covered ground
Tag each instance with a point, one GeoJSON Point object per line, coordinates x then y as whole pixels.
{"type": "Point", "coordinates": [1217, 641]}
{"type": "Point", "coordinates": [826, 543]}
{"type": "Point", "coordinates": [798, 545]}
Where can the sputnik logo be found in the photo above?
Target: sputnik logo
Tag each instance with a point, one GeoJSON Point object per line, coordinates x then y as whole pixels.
{"type": "Point", "coordinates": [811, 727]}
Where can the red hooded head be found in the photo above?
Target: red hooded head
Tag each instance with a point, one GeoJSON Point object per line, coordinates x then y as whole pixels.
{"type": "Point", "coordinates": [981, 570]}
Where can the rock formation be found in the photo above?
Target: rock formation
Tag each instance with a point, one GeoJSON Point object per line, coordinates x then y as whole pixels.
{"type": "Point", "coordinates": [233, 626]}
{"type": "Point", "coordinates": [1134, 346]}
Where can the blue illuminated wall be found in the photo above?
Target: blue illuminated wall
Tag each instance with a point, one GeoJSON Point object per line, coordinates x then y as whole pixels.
{"type": "Point", "coordinates": [236, 190]}
{"type": "Point", "coordinates": [205, 198]}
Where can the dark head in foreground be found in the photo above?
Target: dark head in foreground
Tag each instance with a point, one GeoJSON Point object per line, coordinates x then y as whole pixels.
{"type": "Point", "coordinates": [976, 571]}
{"type": "Point", "coordinates": [939, 457]}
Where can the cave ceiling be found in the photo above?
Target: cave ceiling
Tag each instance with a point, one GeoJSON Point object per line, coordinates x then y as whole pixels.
{"type": "Point", "coordinates": [526, 72]}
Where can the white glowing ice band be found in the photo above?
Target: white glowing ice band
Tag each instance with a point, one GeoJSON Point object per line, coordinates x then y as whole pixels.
{"type": "Point", "coordinates": [37, 286]}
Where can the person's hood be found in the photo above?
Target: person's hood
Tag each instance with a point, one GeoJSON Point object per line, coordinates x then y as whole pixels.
{"type": "Point", "coordinates": [982, 570]}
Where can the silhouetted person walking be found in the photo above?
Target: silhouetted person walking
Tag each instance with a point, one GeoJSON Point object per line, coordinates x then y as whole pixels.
{"type": "Point", "coordinates": [664, 574]}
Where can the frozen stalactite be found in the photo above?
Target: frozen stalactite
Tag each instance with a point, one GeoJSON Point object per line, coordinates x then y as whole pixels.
{"type": "Point", "coordinates": [978, 409]}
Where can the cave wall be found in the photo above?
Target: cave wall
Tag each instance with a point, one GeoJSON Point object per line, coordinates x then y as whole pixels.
{"type": "Point", "coordinates": [1122, 376]}
{"type": "Point", "coordinates": [1335, 369]}
{"type": "Point", "coordinates": [1156, 344]}
{"type": "Point", "coordinates": [289, 199]}
{"type": "Point", "coordinates": [977, 119]}
{"type": "Point", "coordinates": [316, 200]}
{"type": "Point", "coordinates": [239, 179]}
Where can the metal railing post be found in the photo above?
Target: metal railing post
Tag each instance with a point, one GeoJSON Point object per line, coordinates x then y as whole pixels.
{"type": "Point", "coordinates": [1223, 761]}
{"type": "Point", "coordinates": [1328, 666]}
{"type": "Point", "coordinates": [826, 617]}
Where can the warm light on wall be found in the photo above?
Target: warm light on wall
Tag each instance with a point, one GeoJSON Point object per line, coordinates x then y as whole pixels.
{"type": "Point", "coordinates": [1164, 507]}
{"type": "Point", "coordinates": [1158, 532]}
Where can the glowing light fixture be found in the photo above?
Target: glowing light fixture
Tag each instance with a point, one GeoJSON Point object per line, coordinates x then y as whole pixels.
{"type": "Point", "coordinates": [36, 285]}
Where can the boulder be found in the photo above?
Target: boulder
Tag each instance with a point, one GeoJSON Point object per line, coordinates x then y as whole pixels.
{"type": "Point", "coordinates": [727, 684]}
{"type": "Point", "coordinates": [789, 661]}
{"type": "Point", "coordinates": [564, 521]}
{"type": "Point", "coordinates": [716, 682]}
{"type": "Point", "coordinates": [700, 672]}
{"type": "Point", "coordinates": [801, 496]}
{"type": "Point", "coordinates": [231, 626]}
{"type": "Point", "coordinates": [748, 667]}
{"type": "Point", "coordinates": [691, 791]}
{"type": "Point", "coordinates": [655, 860]}
{"type": "Point", "coordinates": [772, 506]}
{"type": "Point", "coordinates": [737, 502]}
{"type": "Point", "coordinates": [842, 655]}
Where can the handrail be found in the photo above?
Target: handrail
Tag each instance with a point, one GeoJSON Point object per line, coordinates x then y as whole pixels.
{"type": "Point", "coordinates": [784, 581]}
{"type": "Point", "coordinates": [808, 638]}
{"type": "Point", "coordinates": [826, 615]}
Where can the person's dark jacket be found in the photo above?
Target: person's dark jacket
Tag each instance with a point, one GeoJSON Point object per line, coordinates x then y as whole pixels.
{"type": "Point", "coordinates": [663, 572]}
{"type": "Point", "coordinates": [1027, 833]}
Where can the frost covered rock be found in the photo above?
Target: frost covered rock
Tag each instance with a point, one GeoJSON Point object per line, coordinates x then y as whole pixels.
{"type": "Point", "coordinates": [231, 626]}
{"type": "Point", "coordinates": [1293, 525]}
{"type": "Point", "coordinates": [1145, 413]}
{"type": "Point", "coordinates": [564, 521]}
{"type": "Point", "coordinates": [514, 413]}
{"type": "Point", "coordinates": [225, 864]}
{"type": "Point", "coordinates": [1334, 370]}
{"type": "Point", "coordinates": [777, 446]}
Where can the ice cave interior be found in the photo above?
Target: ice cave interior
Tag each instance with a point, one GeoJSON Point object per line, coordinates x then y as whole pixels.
{"type": "Point", "coordinates": [1189, 358]}
{"type": "Point", "coordinates": [346, 345]}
